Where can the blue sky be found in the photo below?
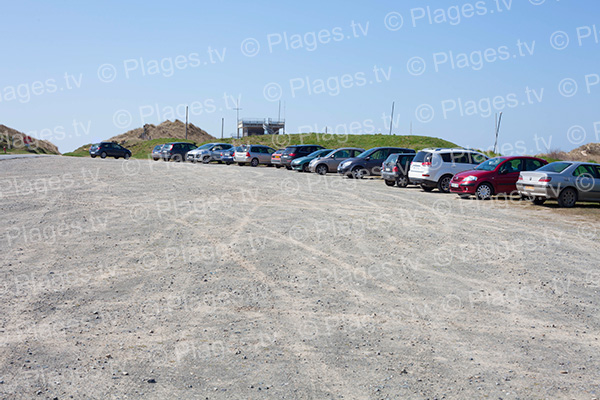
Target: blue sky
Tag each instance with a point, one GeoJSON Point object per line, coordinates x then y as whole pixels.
{"type": "Point", "coordinates": [449, 67]}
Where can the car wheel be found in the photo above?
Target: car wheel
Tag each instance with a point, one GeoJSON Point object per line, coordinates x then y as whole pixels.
{"type": "Point", "coordinates": [538, 201]}
{"type": "Point", "coordinates": [484, 191]}
{"type": "Point", "coordinates": [126, 156]}
{"type": "Point", "coordinates": [390, 183]}
{"type": "Point", "coordinates": [567, 198]}
{"type": "Point", "coordinates": [402, 181]}
{"type": "Point", "coordinates": [177, 158]}
{"type": "Point", "coordinates": [358, 172]}
{"type": "Point", "coordinates": [444, 184]}
{"type": "Point", "coordinates": [426, 188]}
{"type": "Point", "coordinates": [103, 154]}
{"type": "Point", "coordinates": [254, 162]}
{"type": "Point", "coordinates": [206, 160]}
{"type": "Point", "coordinates": [321, 169]}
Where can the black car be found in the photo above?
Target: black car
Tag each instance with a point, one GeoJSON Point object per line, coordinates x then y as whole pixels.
{"type": "Point", "coordinates": [109, 149]}
{"type": "Point", "coordinates": [292, 152]}
{"type": "Point", "coordinates": [368, 162]}
{"type": "Point", "coordinates": [176, 151]}
{"type": "Point", "coordinates": [394, 170]}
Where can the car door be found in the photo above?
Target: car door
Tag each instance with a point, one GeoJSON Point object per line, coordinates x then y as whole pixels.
{"type": "Point", "coordinates": [375, 160]}
{"type": "Point", "coordinates": [585, 181]}
{"type": "Point", "coordinates": [508, 174]}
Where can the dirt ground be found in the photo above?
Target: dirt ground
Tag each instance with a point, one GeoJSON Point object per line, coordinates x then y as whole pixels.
{"type": "Point", "coordinates": [139, 279]}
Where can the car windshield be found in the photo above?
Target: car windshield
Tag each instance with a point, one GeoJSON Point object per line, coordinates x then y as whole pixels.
{"type": "Point", "coordinates": [557, 166]}
{"type": "Point", "coordinates": [319, 153]}
{"type": "Point", "coordinates": [205, 146]}
{"type": "Point", "coordinates": [490, 164]}
{"type": "Point", "coordinates": [420, 157]}
{"type": "Point", "coordinates": [366, 153]}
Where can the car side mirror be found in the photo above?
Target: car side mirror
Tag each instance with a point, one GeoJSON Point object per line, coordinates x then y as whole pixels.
{"type": "Point", "coordinates": [502, 171]}
{"type": "Point", "coordinates": [368, 158]}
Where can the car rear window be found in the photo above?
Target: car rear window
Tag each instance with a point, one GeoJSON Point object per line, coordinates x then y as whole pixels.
{"type": "Point", "coordinates": [558, 166]}
{"type": "Point", "coordinates": [422, 156]}
{"type": "Point", "coordinates": [392, 158]}
{"type": "Point", "coordinates": [289, 150]}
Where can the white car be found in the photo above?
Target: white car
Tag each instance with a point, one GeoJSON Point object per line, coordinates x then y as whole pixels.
{"type": "Point", "coordinates": [433, 168]}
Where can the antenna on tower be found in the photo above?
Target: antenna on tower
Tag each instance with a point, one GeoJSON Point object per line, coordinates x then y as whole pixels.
{"type": "Point", "coordinates": [392, 117]}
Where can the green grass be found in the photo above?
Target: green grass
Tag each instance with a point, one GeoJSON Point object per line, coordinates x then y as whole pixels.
{"type": "Point", "coordinates": [143, 149]}
{"type": "Point", "coordinates": [336, 141]}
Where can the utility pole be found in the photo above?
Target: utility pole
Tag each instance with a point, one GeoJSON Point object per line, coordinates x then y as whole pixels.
{"type": "Point", "coordinates": [497, 127]}
{"type": "Point", "coordinates": [222, 126]}
{"type": "Point", "coordinates": [411, 127]}
{"type": "Point", "coordinates": [279, 114]}
{"type": "Point", "coordinates": [186, 121]}
{"type": "Point", "coordinates": [392, 118]}
{"type": "Point", "coordinates": [237, 110]}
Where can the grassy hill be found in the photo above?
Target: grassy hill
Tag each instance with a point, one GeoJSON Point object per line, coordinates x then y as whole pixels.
{"type": "Point", "coordinates": [143, 149]}
{"type": "Point", "coordinates": [14, 142]}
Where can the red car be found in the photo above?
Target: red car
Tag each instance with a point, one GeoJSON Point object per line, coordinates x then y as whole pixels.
{"type": "Point", "coordinates": [494, 176]}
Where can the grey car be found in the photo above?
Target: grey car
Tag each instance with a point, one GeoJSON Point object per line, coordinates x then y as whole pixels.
{"type": "Point", "coordinates": [330, 162]}
{"type": "Point", "coordinates": [566, 181]}
{"type": "Point", "coordinates": [253, 154]}
{"type": "Point", "coordinates": [210, 152]}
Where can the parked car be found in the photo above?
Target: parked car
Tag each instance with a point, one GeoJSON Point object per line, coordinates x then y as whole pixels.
{"type": "Point", "coordinates": [301, 164]}
{"type": "Point", "coordinates": [495, 176]}
{"type": "Point", "coordinates": [254, 154]}
{"type": "Point", "coordinates": [368, 162]}
{"type": "Point", "coordinates": [394, 169]}
{"type": "Point", "coordinates": [176, 151]}
{"type": "Point", "coordinates": [156, 152]}
{"type": "Point", "coordinates": [566, 181]}
{"type": "Point", "coordinates": [208, 152]}
{"type": "Point", "coordinates": [330, 162]}
{"type": "Point", "coordinates": [276, 158]}
{"type": "Point", "coordinates": [292, 152]}
{"type": "Point", "coordinates": [109, 149]}
{"type": "Point", "coordinates": [433, 168]}
{"type": "Point", "coordinates": [227, 155]}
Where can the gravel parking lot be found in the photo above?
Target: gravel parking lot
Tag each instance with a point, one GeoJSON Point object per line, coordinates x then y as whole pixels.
{"type": "Point", "coordinates": [141, 279]}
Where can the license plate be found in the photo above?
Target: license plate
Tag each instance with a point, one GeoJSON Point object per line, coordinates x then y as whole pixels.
{"type": "Point", "coordinates": [528, 187]}
{"type": "Point", "coordinates": [454, 185]}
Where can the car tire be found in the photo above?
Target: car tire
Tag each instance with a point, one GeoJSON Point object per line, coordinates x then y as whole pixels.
{"type": "Point", "coordinates": [444, 184]}
{"type": "Point", "coordinates": [567, 198]}
{"type": "Point", "coordinates": [103, 154]}
{"type": "Point", "coordinates": [538, 201]}
{"type": "Point", "coordinates": [254, 162]}
{"type": "Point", "coordinates": [402, 181]}
{"type": "Point", "coordinates": [126, 156]}
{"type": "Point", "coordinates": [322, 169]}
{"type": "Point", "coordinates": [426, 188]}
{"type": "Point", "coordinates": [206, 160]}
{"type": "Point", "coordinates": [358, 172]}
{"type": "Point", "coordinates": [288, 168]}
{"type": "Point", "coordinates": [177, 158]}
{"type": "Point", "coordinates": [484, 191]}
{"type": "Point", "coordinates": [390, 183]}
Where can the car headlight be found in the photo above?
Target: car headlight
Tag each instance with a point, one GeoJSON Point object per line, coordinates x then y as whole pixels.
{"type": "Point", "coordinates": [470, 178]}
{"type": "Point", "coordinates": [345, 163]}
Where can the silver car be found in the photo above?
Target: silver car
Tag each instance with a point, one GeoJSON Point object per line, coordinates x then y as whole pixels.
{"type": "Point", "coordinates": [208, 152]}
{"type": "Point", "coordinates": [566, 181]}
{"type": "Point", "coordinates": [330, 162]}
{"type": "Point", "coordinates": [253, 154]}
